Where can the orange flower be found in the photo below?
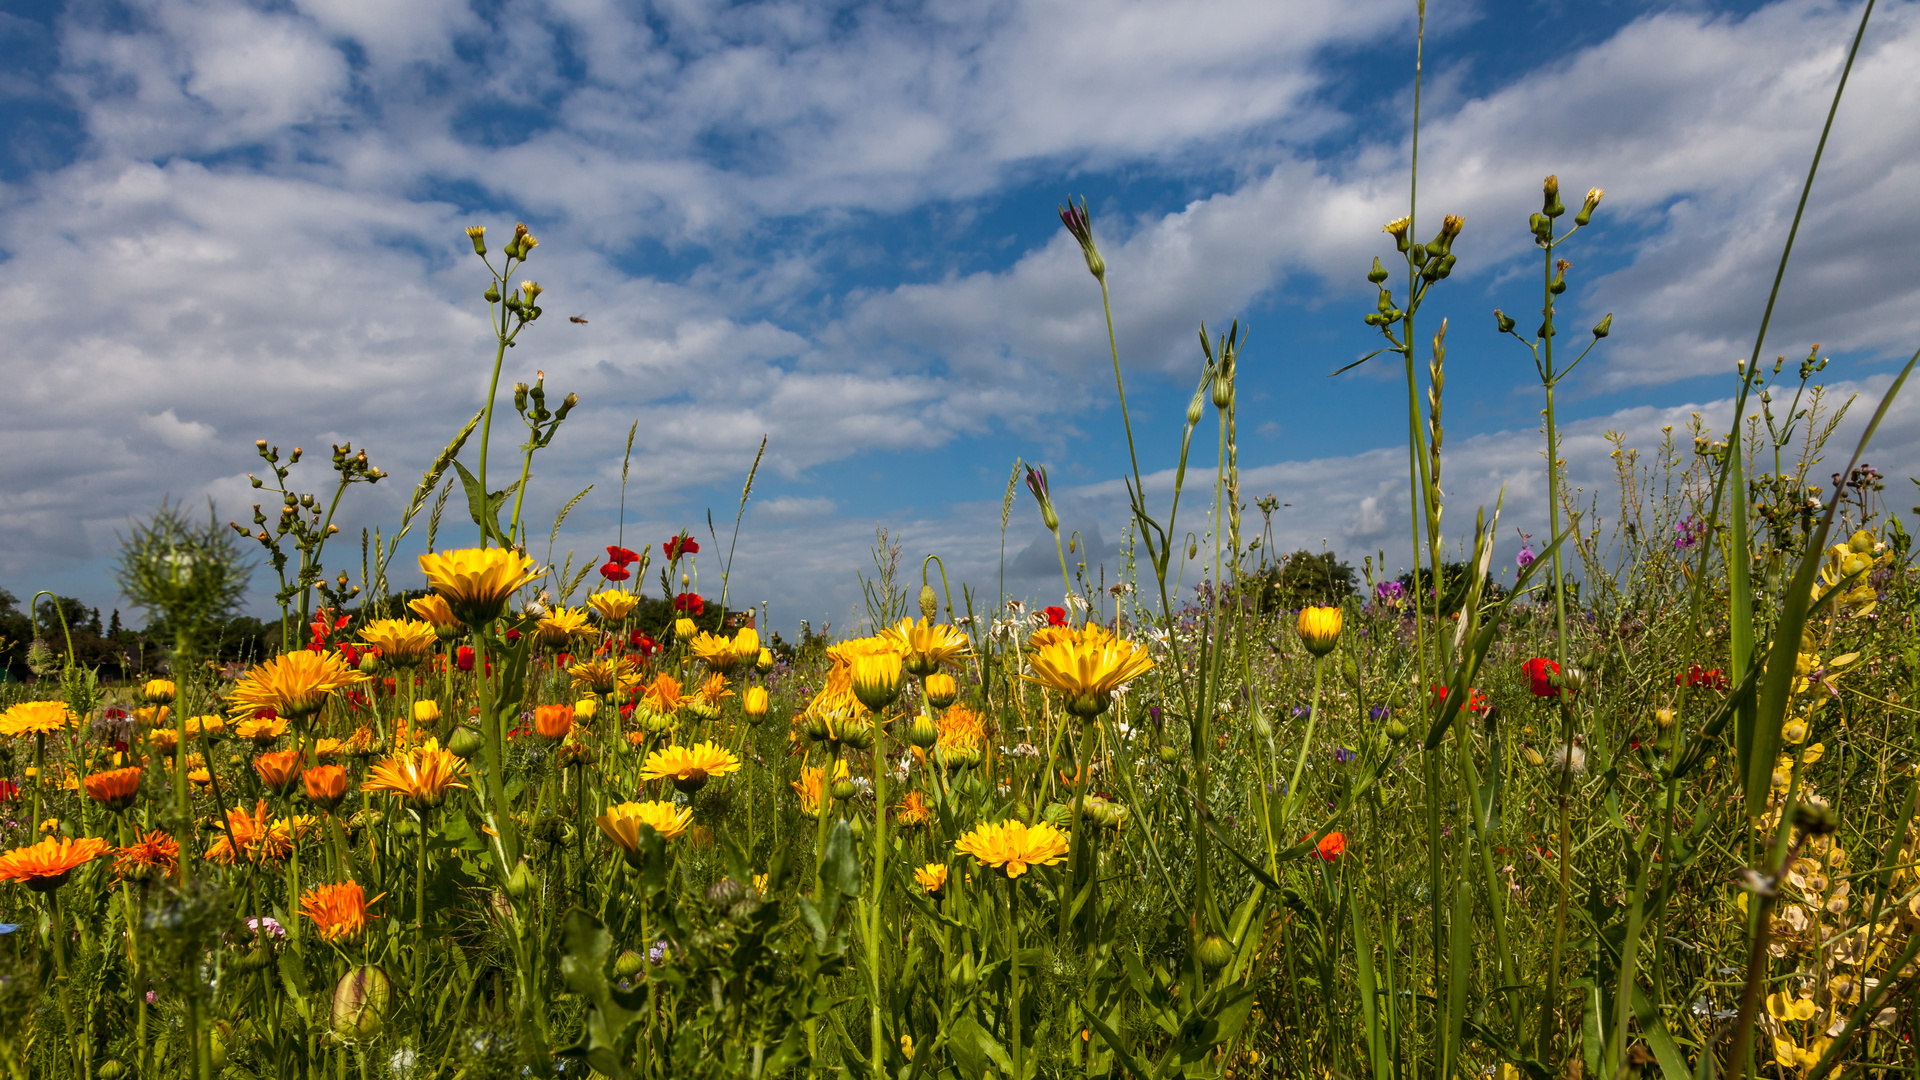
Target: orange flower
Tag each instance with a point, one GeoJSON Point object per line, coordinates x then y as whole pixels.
{"type": "Point", "coordinates": [422, 775]}
{"type": "Point", "coordinates": [1331, 846]}
{"type": "Point", "coordinates": [46, 865]}
{"type": "Point", "coordinates": [154, 854]}
{"type": "Point", "coordinates": [553, 721]}
{"type": "Point", "coordinates": [326, 785]}
{"type": "Point", "coordinates": [339, 912]}
{"type": "Point", "coordinates": [279, 770]}
{"type": "Point", "coordinates": [913, 810]}
{"type": "Point", "coordinates": [663, 695]}
{"type": "Point", "coordinates": [251, 831]}
{"type": "Point", "coordinates": [116, 789]}
{"type": "Point", "coordinates": [1012, 846]}
{"type": "Point", "coordinates": [263, 730]}
{"type": "Point", "coordinates": [37, 718]}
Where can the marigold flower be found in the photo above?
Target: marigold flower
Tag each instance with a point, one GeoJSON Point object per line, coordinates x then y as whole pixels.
{"type": "Point", "coordinates": [279, 770]}
{"type": "Point", "coordinates": [207, 725]}
{"type": "Point", "coordinates": [339, 912]}
{"type": "Point", "coordinates": [561, 625]}
{"type": "Point", "coordinates": [116, 790]}
{"type": "Point", "coordinates": [164, 740]}
{"type": "Point", "coordinates": [45, 866]}
{"type": "Point", "coordinates": [689, 767]}
{"type": "Point", "coordinates": [159, 691]}
{"type": "Point", "coordinates": [422, 775]}
{"type": "Point", "coordinates": [622, 824]}
{"type": "Point", "coordinates": [153, 716]}
{"type": "Point", "coordinates": [714, 651]}
{"type": "Point", "coordinates": [294, 684]}
{"type": "Point", "coordinates": [877, 670]}
{"type": "Point", "coordinates": [941, 689]}
{"type": "Point", "coordinates": [753, 702]}
{"type": "Point", "coordinates": [262, 730]}
{"type": "Point", "coordinates": [932, 878]}
{"type": "Point", "coordinates": [433, 608]}
{"type": "Point", "coordinates": [813, 785]}
{"type": "Point", "coordinates": [913, 810]}
{"type": "Point", "coordinates": [663, 695]}
{"type": "Point", "coordinates": [1319, 629]}
{"type": "Point", "coordinates": [606, 675]}
{"type": "Point", "coordinates": [477, 582]}
{"type": "Point", "coordinates": [713, 691]}
{"type": "Point", "coordinates": [553, 722]}
{"type": "Point", "coordinates": [613, 605]}
{"type": "Point", "coordinates": [151, 855]}
{"type": "Point", "coordinates": [37, 718]}
{"type": "Point", "coordinates": [1088, 667]}
{"type": "Point", "coordinates": [325, 785]}
{"type": "Point", "coordinates": [1012, 846]}
{"type": "Point", "coordinates": [251, 831]}
{"type": "Point", "coordinates": [926, 644]}
{"type": "Point", "coordinates": [401, 642]}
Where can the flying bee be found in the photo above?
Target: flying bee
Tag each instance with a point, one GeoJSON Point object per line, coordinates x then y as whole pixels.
{"type": "Point", "coordinates": [581, 319]}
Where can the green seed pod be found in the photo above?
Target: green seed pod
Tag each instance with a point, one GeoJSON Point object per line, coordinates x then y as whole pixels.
{"type": "Point", "coordinates": [1395, 730]}
{"type": "Point", "coordinates": [1502, 321]}
{"type": "Point", "coordinates": [466, 742]}
{"type": "Point", "coordinates": [1604, 326]}
{"type": "Point", "coordinates": [1379, 273]}
{"type": "Point", "coordinates": [520, 882]}
{"type": "Point", "coordinates": [110, 1069]}
{"type": "Point", "coordinates": [628, 964]}
{"type": "Point", "coordinates": [1168, 755]}
{"type": "Point", "coordinates": [360, 1003]}
{"type": "Point", "coordinates": [844, 788]}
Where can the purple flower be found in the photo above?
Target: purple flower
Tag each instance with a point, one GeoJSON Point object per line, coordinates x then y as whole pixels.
{"type": "Point", "coordinates": [1342, 755]}
{"type": "Point", "coordinates": [1379, 712]}
{"type": "Point", "coordinates": [658, 952]}
{"type": "Point", "coordinates": [1299, 711]}
{"type": "Point", "coordinates": [1389, 592]}
{"type": "Point", "coordinates": [267, 926]}
{"type": "Point", "coordinates": [1688, 533]}
{"type": "Point", "coordinates": [1525, 558]}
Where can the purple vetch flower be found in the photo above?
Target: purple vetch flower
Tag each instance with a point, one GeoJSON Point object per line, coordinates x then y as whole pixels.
{"type": "Point", "coordinates": [1299, 711]}
{"type": "Point", "coordinates": [1379, 712]}
{"type": "Point", "coordinates": [1342, 755]}
{"type": "Point", "coordinates": [1688, 533]}
{"type": "Point", "coordinates": [267, 926]}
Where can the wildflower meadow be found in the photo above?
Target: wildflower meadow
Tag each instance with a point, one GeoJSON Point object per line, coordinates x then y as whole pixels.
{"type": "Point", "coordinates": [1642, 801]}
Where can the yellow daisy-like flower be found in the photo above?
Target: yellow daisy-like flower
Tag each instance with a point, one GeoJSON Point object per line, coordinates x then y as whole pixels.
{"type": "Point", "coordinates": [714, 651]}
{"type": "Point", "coordinates": [434, 609]}
{"type": "Point", "coordinates": [211, 725]}
{"type": "Point", "coordinates": [477, 582]}
{"type": "Point", "coordinates": [562, 625]}
{"type": "Point", "coordinates": [401, 642]}
{"type": "Point", "coordinates": [613, 605]}
{"type": "Point", "coordinates": [1319, 629]}
{"type": "Point", "coordinates": [932, 878]}
{"type": "Point", "coordinates": [622, 824]}
{"type": "Point", "coordinates": [835, 702]}
{"type": "Point", "coordinates": [1012, 846]}
{"type": "Point", "coordinates": [1087, 668]}
{"type": "Point", "coordinates": [876, 669]}
{"type": "Point", "coordinates": [913, 810]}
{"type": "Point", "coordinates": [261, 730]}
{"type": "Point", "coordinates": [422, 775]}
{"type": "Point", "coordinates": [689, 767]}
{"type": "Point", "coordinates": [713, 691]}
{"type": "Point", "coordinates": [606, 675]}
{"type": "Point", "coordinates": [926, 644]}
{"type": "Point", "coordinates": [746, 645]}
{"type": "Point", "coordinates": [37, 718]}
{"type": "Point", "coordinates": [339, 912]}
{"type": "Point", "coordinates": [159, 691]}
{"type": "Point", "coordinates": [294, 684]}
{"type": "Point", "coordinates": [813, 784]}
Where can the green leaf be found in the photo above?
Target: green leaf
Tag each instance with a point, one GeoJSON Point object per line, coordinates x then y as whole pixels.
{"type": "Point", "coordinates": [607, 1038]}
{"type": "Point", "coordinates": [973, 1048]}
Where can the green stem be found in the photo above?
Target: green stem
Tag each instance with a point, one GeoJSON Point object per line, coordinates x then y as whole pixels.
{"type": "Point", "coordinates": [1013, 977]}
{"type": "Point", "coordinates": [1306, 743]}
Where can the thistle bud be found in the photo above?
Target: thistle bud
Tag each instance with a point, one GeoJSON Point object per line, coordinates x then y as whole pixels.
{"type": "Point", "coordinates": [478, 234]}
{"type": "Point", "coordinates": [1604, 326]}
{"type": "Point", "coordinates": [1379, 273]}
{"type": "Point", "coordinates": [1585, 215]}
{"type": "Point", "coordinates": [929, 602]}
{"type": "Point", "coordinates": [1502, 321]}
{"type": "Point", "coordinates": [1550, 204]}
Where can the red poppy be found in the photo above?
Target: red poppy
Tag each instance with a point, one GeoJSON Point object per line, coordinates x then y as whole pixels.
{"type": "Point", "coordinates": [9, 791]}
{"type": "Point", "coordinates": [677, 546]}
{"type": "Point", "coordinates": [620, 556]}
{"type": "Point", "coordinates": [1056, 616]}
{"type": "Point", "coordinates": [350, 654]}
{"type": "Point", "coordinates": [1540, 672]}
{"type": "Point", "coordinates": [613, 571]}
{"type": "Point", "coordinates": [463, 659]}
{"type": "Point", "coordinates": [1331, 846]}
{"type": "Point", "coordinates": [513, 636]}
{"type": "Point", "coordinates": [626, 711]}
{"type": "Point", "coordinates": [356, 700]}
{"type": "Point", "coordinates": [116, 714]}
{"type": "Point", "coordinates": [642, 644]}
{"type": "Point", "coordinates": [1696, 677]}
{"type": "Point", "coordinates": [689, 603]}
{"type": "Point", "coordinates": [1476, 699]}
{"type": "Point", "coordinates": [562, 661]}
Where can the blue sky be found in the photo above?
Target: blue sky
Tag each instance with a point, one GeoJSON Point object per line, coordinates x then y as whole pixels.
{"type": "Point", "coordinates": [834, 225]}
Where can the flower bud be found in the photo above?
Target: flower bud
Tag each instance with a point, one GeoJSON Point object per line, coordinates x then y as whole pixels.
{"type": "Point", "coordinates": [1398, 229]}
{"type": "Point", "coordinates": [1550, 204]}
{"type": "Point", "coordinates": [922, 732]}
{"type": "Point", "coordinates": [843, 788]}
{"type": "Point", "coordinates": [491, 296]}
{"type": "Point", "coordinates": [1586, 210]}
{"type": "Point", "coordinates": [478, 234]}
{"type": "Point", "coordinates": [1195, 410]}
{"type": "Point", "coordinates": [465, 743]}
{"type": "Point", "coordinates": [360, 1003]}
{"type": "Point", "coordinates": [1214, 952]}
{"type": "Point", "coordinates": [1379, 273]}
{"type": "Point", "coordinates": [857, 734]}
{"type": "Point", "coordinates": [1502, 321]}
{"type": "Point", "coordinates": [1604, 326]}
{"type": "Point", "coordinates": [941, 689]}
{"type": "Point", "coordinates": [1663, 717]}
{"type": "Point", "coordinates": [628, 964]}
{"type": "Point", "coordinates": [1395, 730]}
{"type": "Point", "coordinates": [520, 882]}
{"type": "Point", "coordinates": [1319, 629]}
{"type": "Point", "coordinates": [753, 703]}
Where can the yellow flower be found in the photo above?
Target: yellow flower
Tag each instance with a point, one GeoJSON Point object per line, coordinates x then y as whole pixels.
{"type": "Point", "coordinates": [941, 689]}
{"type": "Point", "coordinates": [713, 691]}
{"type": "Point", "coordinates": [562, 625]}
{"type": "Point", "coordinates": [279, 770]}
{"type": "Point", "coordinates": [684, 629]}
{"type": "Point", "coordinates": [115, 790]}
{"type": "Point", "coordinates": [159, 691]}
{"type": "Point", "coordinates": [1795, 1007]}
{"type": "Point", "coordinates": [585, 709]}
{"type": "Point", "coordinates": [426, 711]}
{"type": "Point", "coordinates": [746, 645]}
{"type": "Point", "coordinates": [689, 767]}
{"type": "Point", "coordinates": [606, 675]}
{"type": "Point", "coordinates": [211, 725]}
{"type": "Point", "coordinates": [835, 703]}
{"type": "Point", "coordinates": [753, 702]}
{"type": "Point", "coordinates": [622, 824]}
{"type": "Point", "coordinates": [813, 784]}
{"type": "Point", "coordinates": [714, 651]}
{"type": "Point", "coordinates": [1012, 846]}
{"type": "Point", "coordinates": [1319, 629]}
{"type": "Point", "coordinates": [294, 684]}
{"type": "Point", "coordinates": [766, 659]}
{"type": "Point", "coordinates": [422, 775]}
{"type": "Point", "coordinates": [152, 716]}
{"type": "Point", "coordinates": [261, 730]}
{"type": "Point", "coordinates": [932, 878]}
{"type": "Point", "coordinates": [926, 645]}
{"type": "Point", "coordinates": [876, 668]}
{"type": "Point", "coordinates": [913, 810]}
{"type": "Point", "coordinates": [400, 642]}
{"type": "Point", "coordinates": [663, 695]}
{"type": "Point", "coordinates": [1088, 667]}
{"type": "Point", "coordinates": [434, 609]}
{"type": "Point", "coordinates": [477, 582]}
{"type": "Point", "coordinates": [613, 605]}
{"type": "Point", "coordinates": [37, 718]}
{"type": "Point", "coordinates": [339, 912]}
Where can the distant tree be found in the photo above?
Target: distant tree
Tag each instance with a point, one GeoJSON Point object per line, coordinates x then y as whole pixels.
{"type": "Point", "coordinates": [1304, 578]}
